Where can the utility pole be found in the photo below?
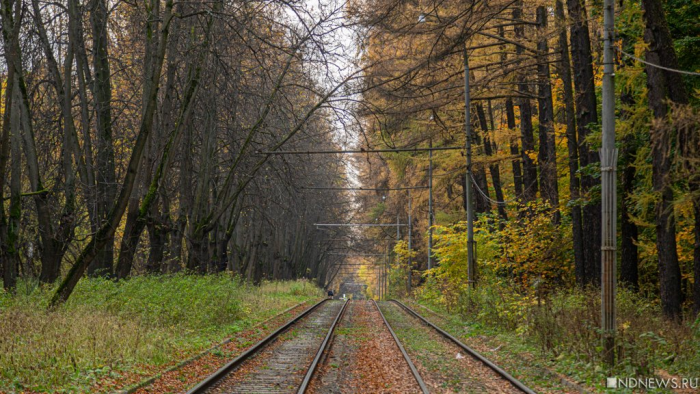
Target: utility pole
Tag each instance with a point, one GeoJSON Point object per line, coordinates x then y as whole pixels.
{"type": "Point", "coordinates": [471, 263]}
{"type": "Point", "coordinates": [410, 260]}
{"type": "Point", "coordinates": [379, 281]}
{"type": "Point", "coordinates": [430, 205]}
{"type": "Point", "coordinates": [386, 271]}
{"type": "Point", "coordinates": [608, 168]}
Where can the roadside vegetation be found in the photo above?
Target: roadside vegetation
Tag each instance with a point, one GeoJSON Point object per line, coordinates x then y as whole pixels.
{"type": "Point", "coordinates": [110, 328]}
{"type": "Point", "coordinates": [524, 303]}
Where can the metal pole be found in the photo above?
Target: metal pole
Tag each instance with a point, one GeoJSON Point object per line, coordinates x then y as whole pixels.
{"type": "Point", "coordinates": [379, 280]}
{"type": "Point", "coordinates": [398, 228]}
{"type": "Point", "coordinates": [410, 261]}
{"type": "Point", "coordinates": [380, 269]}
{"type": "Point", "coordinates": [386, 270]}
{"type": "Point", "coordinates": [430, 206]}
{"type": "Point", "coordinates": [398, 237]}
{"type": "Point", "coordinates": [608, 167]}
{"type": "Point", "coordinates": [386, 280]}
{"type": "Point", "coordinates": [471, 263]}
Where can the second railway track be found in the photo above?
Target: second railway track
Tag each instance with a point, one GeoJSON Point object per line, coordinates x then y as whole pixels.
{"type": "Point", "coordinates": [508, 384]}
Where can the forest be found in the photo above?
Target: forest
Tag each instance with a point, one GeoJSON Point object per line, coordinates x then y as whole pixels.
{"type": "Point", "coordinates": [148, 149]}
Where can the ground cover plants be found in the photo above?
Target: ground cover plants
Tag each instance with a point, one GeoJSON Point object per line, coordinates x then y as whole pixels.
{"type": "Point", "coordinates": [109, 328]}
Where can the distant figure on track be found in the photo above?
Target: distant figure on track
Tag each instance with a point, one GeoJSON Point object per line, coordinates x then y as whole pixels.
{"type": "Point", "coordinates": [330, 294]}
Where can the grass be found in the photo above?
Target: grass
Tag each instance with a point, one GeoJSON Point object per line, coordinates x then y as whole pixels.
{"type": "Point", "coordinates": [111, 328]}
{"type": "Point", "coordinates": [430, 352]}
{"type": "Point", "coordinates": [561, 333]}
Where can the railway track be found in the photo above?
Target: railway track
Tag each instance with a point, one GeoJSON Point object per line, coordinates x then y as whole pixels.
{"type": "Point", "coordinates": [289, 359]}
{"type": "Point", "coordinates": [516, 384]}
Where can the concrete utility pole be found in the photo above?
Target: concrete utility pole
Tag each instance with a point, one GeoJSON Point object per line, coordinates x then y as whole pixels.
{"type": "Point", "coordinates": [384, 271]}
{"type": "Point", "coordinates": [471, 261]}
{"type": "Point", "coordinates": [608, 168]}
{"type": "Point", "coordinates": [398, 229]}
{"type": "Point", "coordinates": [410, 260]}
{"type": "Point", "coordinates": [430, 205]}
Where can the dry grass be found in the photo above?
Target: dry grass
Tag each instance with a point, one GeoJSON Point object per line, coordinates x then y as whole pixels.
{"type": "Point", "coordinates": [564, 328]}
{"type": "Point", "coordinates": [109, 328]}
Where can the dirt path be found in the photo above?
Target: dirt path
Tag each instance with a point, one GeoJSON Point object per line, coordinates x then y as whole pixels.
{"type": "Point", "coordinates": [364, 357]}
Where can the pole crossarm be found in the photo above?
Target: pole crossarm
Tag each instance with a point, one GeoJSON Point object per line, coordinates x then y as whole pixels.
{"type": "Point", "coordinates": [360, 151]}
{"type": "Point", "coordinates": [365, 188]}
{"type": "Point", "coordinates": [356, 254]}
{"type": "Point", "coordinates": [356, 265]}
{"type": "Point", "coordinates": [360, 224]}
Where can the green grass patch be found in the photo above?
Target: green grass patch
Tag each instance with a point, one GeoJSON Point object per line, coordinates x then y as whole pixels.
{"type": "Point", "coordinates": [109, 328]}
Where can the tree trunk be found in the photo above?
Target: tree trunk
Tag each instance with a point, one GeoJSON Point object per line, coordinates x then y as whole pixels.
{"type": "Point", "coordinates": [572, 145]}
{"type": "Point", "coordinates": [515, 151]}
{"type": "Point", "coordinates": [10, 252]}
{"type": "Point", "coordinates": [50, 246]}
{"type": "Point", "coordinates": [696, 255]}
{"type": "Point", "coordinates": [663, 85]}
{"type": "Point", "coordinates": [127, 249]}
{"type": "Point", "coordinates": [629, 261]}
{"type": "Point", "coordinates": [513, 141]}
{"type": "Point", "coordinates": [102, 91]}
{"type": "Point", "coordinates": [157, 238]}
{"type": "Point", "coordinates": [586, 114]}
{"type": "Point", "coordinates": [186, 200]}
{"type": "Point", "coordinates": [105, 235]}
{"type": "Point", "coordinates": [669, 270]}
{"type": "Point", "coordinates": [547, 154]}
{"type": "Point", "coordinates": [5, 144]}
{"type": "Point", "coordinates": [159, 227]}
{"type": "Point", "coordinates": [481, 203]}
{"type": "Point", "coordinates": [77, 44]}
{"type": "Point", "coordinates": [135, 222]}
{"type": "Point", "coordinates": [198, 259]}
{"type": "Point", "coordinates": [526, 136]}
{"type": "Point", "coordinates": [493, 168]}
{"type": "Point", "coordinates": [61, 238]}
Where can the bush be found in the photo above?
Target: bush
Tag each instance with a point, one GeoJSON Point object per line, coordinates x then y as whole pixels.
{"type": "Point", "coordinates": [565, 325]}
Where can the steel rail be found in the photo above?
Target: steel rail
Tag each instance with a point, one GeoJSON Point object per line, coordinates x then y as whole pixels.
{"type": "Point", "coordinates": [236, 362]}
{"type": "Point", "coordinates": [416, 375]}
{"type": "Point", "coordinates": [321, 350]}
{"type": "Point", "coordinates": [515, 382]}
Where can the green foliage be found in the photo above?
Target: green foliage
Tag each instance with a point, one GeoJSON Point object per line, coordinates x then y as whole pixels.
{"type": "Point", "coordinates": [533, 254]}
{"type": "Point", "coordinates": [402, 252]}
{"type": "Point", "coordinates": [398, 269]}
{"type": "Point", "coordinates": [110, 327]}
{"type": "Point", "coordinates": [684, 22]}
{"type": "Point", "coordinates": [525, 290]}
{"type": "Point", "coordinates": [377, 210]}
